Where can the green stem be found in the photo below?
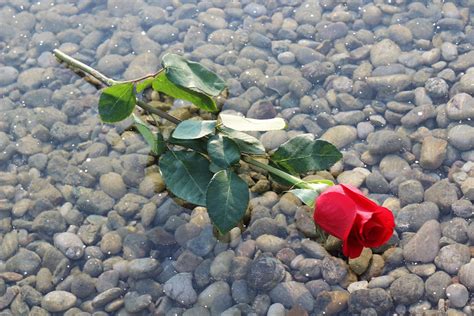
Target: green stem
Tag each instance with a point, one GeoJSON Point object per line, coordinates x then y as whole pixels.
{"type": "Point", "coordinates": [110, 82]}
{"type": "Point", "coordinates": [83, 67]}
{"type": "Point", "coordinates": [295, 181]}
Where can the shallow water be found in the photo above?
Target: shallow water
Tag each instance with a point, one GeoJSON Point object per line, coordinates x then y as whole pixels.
{"type": "Point", "coordinates": [87, 228]}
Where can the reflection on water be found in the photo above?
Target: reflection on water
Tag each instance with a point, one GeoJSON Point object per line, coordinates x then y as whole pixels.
{"type": "Point", "coordinates": [86, 226]}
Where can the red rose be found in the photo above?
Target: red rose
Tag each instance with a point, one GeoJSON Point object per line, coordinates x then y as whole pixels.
{"type": "Point", "coordinates": [344, 212]}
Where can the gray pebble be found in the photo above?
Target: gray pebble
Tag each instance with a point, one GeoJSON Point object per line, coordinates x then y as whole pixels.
{"type": "Point", "coordinates": [424, 246]}
{"type": "Point", "coordinates": [58, 301]}
{"type": "Point", "coordinates": [8, 75]}
{"type": "Point", "coordinates": [457, 294]}
{"type": "Point", "coordinates": [413, 216]}
{"type": "Point", "coordinates": [291, 294]}
{"type": "Point", "coordinates": [180, 288]}
{"type": "Point", "coordinates": [410, 191]}
{"type": "Point", "coordinates": [25, 262]}
{"type": "Point", "coordinates": [112, 184]}
{"type": "Point", "coordinates": [436, 284]}
{"type": "Point", "coordinates": [451, 257]}
{"type": "Point", "coordinates": [70, 245]}
{"type": "Point", "coordinates": [461, 137]}
{"type": "Point", "coordinates": [265, 273]}
{"type": "Point", "coordinates": [407, 289]}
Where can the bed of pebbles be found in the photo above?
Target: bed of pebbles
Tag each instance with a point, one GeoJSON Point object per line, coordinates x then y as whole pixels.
{"type": "Point", "coordinates": [86, 228]}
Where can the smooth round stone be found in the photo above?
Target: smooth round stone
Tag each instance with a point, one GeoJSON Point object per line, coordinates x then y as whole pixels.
{"type": "Point", "coordinates": [286, 58]}
{"type": "Point", "coordinates": [69, 244]}
{"type": "Point", "coordinates": [112, 184]}
{"type": "Point", "coordinates": [451, 257]}
{"type": "Point", "coordinates": [58, 301]}
{"type": "Point", "coordinates": [8, 75]}
{"type": "Point", "coordinates": [276, 309]}
{"type": "Point", "coordinates": [269, 243]}
{"type": "Point", "coordinates": [180, 288]}
{"type": "Point", "coordinates": [457, 294]}
{"type": "Point", "coordinates": [392, 166]}
{"type": "Point", "coordinates": [220, 267]}
{"type": "Point", "coordinates": [407, 289]}
{"type": "Point", "coordinates": [340, 136]}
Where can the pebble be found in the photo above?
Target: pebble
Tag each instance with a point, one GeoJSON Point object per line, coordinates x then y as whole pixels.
{"type": "Point", "coordinates": [461, 137]}
{"type": "Point", "coordinates": [433, 152]}
{"type": "Point", "coordinates": [216, 297]}
{"type": "Point", "coordinates": [424, 246]}
{"type": "Point", "coordinates": [8, 75]}
{"type": "Point", "coordinates": [70, 245]}
{"type": "Point", "coordinates": [392, 166]}
{"type": "Point", "coordinates": [112, 184]}
{"type": "Point", "coordinates": [407, 289]}
{"type": "Point", "coordinates": [340, 136]}
{"type": "Point", "coordinates": [436, 284]}
{"type": "Point", "coordinates": [457, 294]}
{"type": "Point", "coordinates": [410, 192]}
{"type": "Point", "coordinates": [221, 266]}
{"type": "Point", "coordinates": [451, 257]}
{"type": "Point", "coordinates": [460, 107]}
{"type": "Point", "coordinates": [413, 216]}
{"type": "Point", "coordinates": [180, 289]}
{"type": "Point", "coordinates": [143, 268]}
{"type": "Point", "coordinates": [24, 262]}
{"type": "Point", "coordinates": [377, 299]}
{"type": "Point", "coordinates": [442, 193]}
{"type": "Point", "coordinates": [385, 52]}
{"type": "Point", "coordinates": [276, 309]}
{"type": "Point", "coordinates": [291, 294]}
{"type": "Point", "coordinates": [58, 301]}
{"type": "Point", "coordinates": [265, 273]}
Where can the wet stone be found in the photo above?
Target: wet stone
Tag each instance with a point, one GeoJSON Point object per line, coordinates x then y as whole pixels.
{"type": "Point", "coordinates": [451, 257]}
{"type": "Point", "coordinates": [436, 285]}
{"type": "Point", "coordinates": [25, 262]}
{"type": "Point", "coordinates": [70, 245]}
{"type": "Point", "coordinates": [334, 270]}
{"type": "Point", "coordinates": [265, 273]}
{"type": "Point", "coordinates": [443, 194]}
{"type": "Point", "coordinates": [135, 303]}
{"type": "Point", "coordinates": [424, 246]}
{"type": "Point", "coordinates": [216, 297]}
{"type": "Point", "coordinates": [377, 299]}
{"type": "Point", "coordinates": [457, 294]}
{"type": "Point", "coordinates": [407, 289]}
{"type": "Point", "coordinates": [291, 294]}
{"type": "Point", "coordinates": [58, 301]}
{"type": "Point", "coordinates": [180, 289]}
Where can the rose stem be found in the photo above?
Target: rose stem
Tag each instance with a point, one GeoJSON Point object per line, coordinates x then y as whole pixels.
{"type": "Point", "coordinates": [297, 182]}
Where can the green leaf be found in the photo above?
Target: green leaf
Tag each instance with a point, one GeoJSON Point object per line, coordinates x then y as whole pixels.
{"type": "Point", "coordinates": [117, 102]}
{"type": "Point", "coordinates": [240, 123]}
{"type": "Point", "coordinates": [192, 129]}
{"type": "Point", "coordinates": [199, 145]}
{"type": "Point", "coordinates": [186, 174]}
{"type": "Point", "coordinates": [247, 144]}
{"type": "Point", "coordinates": [227, 199]}
{"type": "Point", "coordinates": [223, 151]}
{"type": "Point", "coordinates": [142, 85]}
{"type": "Point", "coordinates": [302, 154]}
{"type": "Point", "coordinates": [201, 100]}
{"type": "Point", "coordinates": [154, 139]}
{"type": "Point", "coordinates": [306, 196]}
{"type": "Point", "coordinates": [192, 75]}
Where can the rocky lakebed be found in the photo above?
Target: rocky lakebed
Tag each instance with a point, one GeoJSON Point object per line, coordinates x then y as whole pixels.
{"type": "Point", "coordinates": [87, 228]}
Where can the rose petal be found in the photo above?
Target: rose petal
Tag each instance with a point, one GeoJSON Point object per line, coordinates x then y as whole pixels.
{"type": "Point", "coordinates": [379, 229]}
{"type": "Point", "coordinates": [352, 247]}
{"type": "Point", "coordinates": [335, 213]}
{"type": "Point", "coordinates": [363, 203]}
